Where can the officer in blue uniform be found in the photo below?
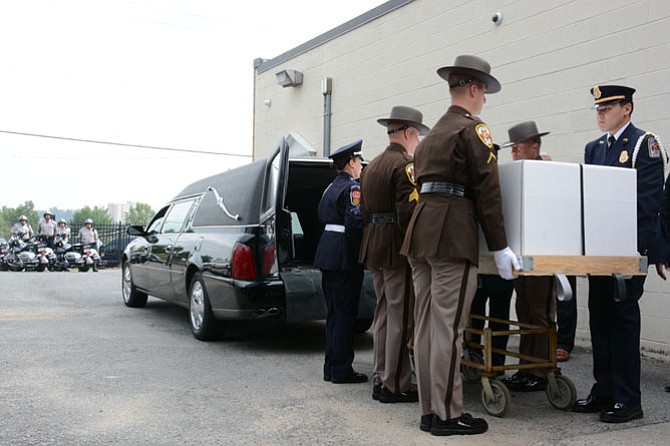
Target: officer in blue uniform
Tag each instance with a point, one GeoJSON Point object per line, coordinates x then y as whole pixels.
{"type": "Point", "coordinates": [615, 326]}
{"type": "Point", "coordinates": [337, 257]}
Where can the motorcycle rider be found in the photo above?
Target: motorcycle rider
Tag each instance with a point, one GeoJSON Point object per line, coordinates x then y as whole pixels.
{"type": "Point", "coordinates": [89, 236]}
{"type": "Point", "coordinates": [22, 229]}
{"type": "Point", "coordinates": [47, 228]}
{"type": "Point", "coordinates": [63, 231]}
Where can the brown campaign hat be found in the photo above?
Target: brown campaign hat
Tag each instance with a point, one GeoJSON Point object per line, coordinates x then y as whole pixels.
{"type": "Point", "coordinates": [475, 66]}
{"type": "Point", "coordinates": [521, 132]}
{"type": "Point", "coordinates": [407, 115]}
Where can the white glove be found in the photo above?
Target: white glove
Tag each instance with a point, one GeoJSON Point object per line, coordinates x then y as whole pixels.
{"type": "Point", "coordinates": [506, 261]}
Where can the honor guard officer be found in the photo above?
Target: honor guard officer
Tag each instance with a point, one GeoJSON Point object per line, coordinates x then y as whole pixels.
{"type": "Point", "coordinates": [337, 257]}
{"type": "Point", "coordinates": [389, 196]}
{"type": "Point", "coordinates": [459, 189]}
{"type": "Point", "coordinates": [615, 325]}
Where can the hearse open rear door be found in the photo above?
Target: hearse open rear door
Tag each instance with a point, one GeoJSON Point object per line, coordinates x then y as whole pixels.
{"type": "Point", "coordinates": [302, 282]}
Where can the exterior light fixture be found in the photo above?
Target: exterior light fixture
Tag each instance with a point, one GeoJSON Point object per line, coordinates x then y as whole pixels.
{"type": "Point", "coordinates": [289, 78]}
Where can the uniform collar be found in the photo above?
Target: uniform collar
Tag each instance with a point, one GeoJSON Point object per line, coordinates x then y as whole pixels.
{"type": "Point", "coordinates": [397, 147]}
{"type": "Point", "coordinates": [618, 134]}
{"type": "Point", "coordinates": [458, 109]}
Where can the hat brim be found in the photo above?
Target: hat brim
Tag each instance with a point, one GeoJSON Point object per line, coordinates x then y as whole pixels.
{"type": "Point", "coordinates": [492, 84]}
{"type": "Point", "coordinates": [511, 143]}
{"type": "Point", "coordinates": [423, 129]}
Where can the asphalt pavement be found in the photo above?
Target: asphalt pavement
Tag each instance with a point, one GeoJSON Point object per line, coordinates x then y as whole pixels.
{"type": "Point", "coordinates": [79, 368]}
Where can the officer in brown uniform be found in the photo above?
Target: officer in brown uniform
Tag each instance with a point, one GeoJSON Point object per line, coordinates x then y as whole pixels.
{"type": "Point", "coordinates": [388, 198]}
{"type": "Point", "coordinates": [459, 189]}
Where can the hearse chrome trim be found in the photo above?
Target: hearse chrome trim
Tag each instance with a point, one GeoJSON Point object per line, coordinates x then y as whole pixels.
{"type": "Point", "coordinates": [219, 203]}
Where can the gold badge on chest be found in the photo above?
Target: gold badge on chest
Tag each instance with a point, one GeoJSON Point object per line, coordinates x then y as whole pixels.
{"type": "Point", "coordinates": [623, 158]}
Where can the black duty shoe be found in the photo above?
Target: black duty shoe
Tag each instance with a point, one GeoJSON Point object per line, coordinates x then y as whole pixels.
{"type": "Point", "coordinates": [326, 378]}
{"type": "Point", "coordinates": [463, 425]}
{"type": "Point", "coordinates": [426, 422]}
{"type": "Point", "coordinates": [514, 379]}
{"type": "Point", "coordinates": [351, 378]}
{"type": "Point", "coordinates": [591, 404]}
{"type": "Point", "coordinates": [529, 383]}
{"type": "Point", "coordinates": [667, 388]}
{"type": "Point", "coordinates": [408, 396]}
{"type": "Point", "coordinates": [376, 388]}
{"type": "Point", "coordinates": [622, 413]}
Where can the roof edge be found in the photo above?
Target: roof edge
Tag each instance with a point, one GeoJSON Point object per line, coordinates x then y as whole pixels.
{"type": "Point", "coordinates": [334, 33]}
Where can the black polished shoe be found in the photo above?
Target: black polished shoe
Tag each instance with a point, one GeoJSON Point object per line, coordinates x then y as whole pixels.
{"type": "Point", "coordinates": [528, 383]}
{"type": "Point", "coordinates": [376, 388]}
{"type": "Point", "coordinates": [326, 378]}
{"type": "Point", "coordinates": [351, 378]}
{"type": "Point", "coordinates": [426, 422]}
{"type": "Point", "coordinates": [409, 396]}
{"type": "Point", "coordinates": [591, 404]}
{"type": "Point", "coordinates": [463, 425]}
{"type": "Point", "coordinates": [514, 379]}
{"type": "Point", "coordinates": [622, 413]}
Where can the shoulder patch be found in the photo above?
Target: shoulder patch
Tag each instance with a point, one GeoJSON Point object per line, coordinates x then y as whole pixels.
{"type": "Point", "coordinates": [355, 195]}
{"type": "Point", "coordinates": [409, 170]}
{"type": "Point", "coordinates": [654, 148]}
{"type": "Point", "coordinates": [484, 135]}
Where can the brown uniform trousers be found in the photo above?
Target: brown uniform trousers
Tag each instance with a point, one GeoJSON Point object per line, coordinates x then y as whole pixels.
{"type": "Point", "coordinates": [535, 304]}
{"type": "Point", "coordinates": [442, 244]}
{"type": "Point", "coordinates": [388, 198]}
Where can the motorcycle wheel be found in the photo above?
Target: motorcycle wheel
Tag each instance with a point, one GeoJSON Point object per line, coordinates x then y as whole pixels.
{"type": "Point", "coordinates": [15, 267]}
{"type": "Point", "coordinates": [83, 268]}
{"type": "Point", "coordinates": [41, 267]}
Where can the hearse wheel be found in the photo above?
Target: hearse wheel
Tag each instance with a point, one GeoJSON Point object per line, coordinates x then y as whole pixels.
{"type": "Point", "coordinates": [203, 324]}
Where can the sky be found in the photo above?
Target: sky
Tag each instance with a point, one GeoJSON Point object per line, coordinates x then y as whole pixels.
{"type": "Point", "coordinates": [170, 74]}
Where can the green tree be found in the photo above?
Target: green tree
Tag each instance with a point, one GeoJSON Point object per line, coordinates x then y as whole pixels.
{"type": "Point", "coordinates": [99, 215]}
{"type": "Point", "coordinates": [140, 214]}
{"type": "Point", "coordinates": [11, 215]}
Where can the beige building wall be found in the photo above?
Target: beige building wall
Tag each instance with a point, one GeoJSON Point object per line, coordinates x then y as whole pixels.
{"type": "Point", "coordinates": [547, 55]}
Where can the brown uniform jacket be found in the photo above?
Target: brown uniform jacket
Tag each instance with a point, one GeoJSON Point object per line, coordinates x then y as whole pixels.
{"type": "Point", "coordinates": [387, 186]}
{"type": "Point", "coordinates": [457, 150]}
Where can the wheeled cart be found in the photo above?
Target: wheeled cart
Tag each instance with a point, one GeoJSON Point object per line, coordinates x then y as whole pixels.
{"type": "Point", "coordinates": [561, 393]}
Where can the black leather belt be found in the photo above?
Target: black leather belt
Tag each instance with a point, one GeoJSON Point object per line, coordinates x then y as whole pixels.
{"type": "Point", "coordinates": [442, 187]}
{"type": "Point", "coordinates": [383, 217]}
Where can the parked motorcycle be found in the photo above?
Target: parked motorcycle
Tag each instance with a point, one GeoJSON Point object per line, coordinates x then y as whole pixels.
{"type": "Point", "coordinates": [21, 255]}
{"type": "Point", "coordinates": [4, 253]}
{"type": "Point", "coordinates": [91, 258]}
{"type": "Point", "coordinates": [67, 256]}
{"type": "Point", "coordinates": [45, 255]}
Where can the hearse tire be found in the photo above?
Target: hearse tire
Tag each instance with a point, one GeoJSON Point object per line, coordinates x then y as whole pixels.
{"type": "Point", "coordinates": [203, 324]}
{"type": "Point", "coordinates": [132, 297]}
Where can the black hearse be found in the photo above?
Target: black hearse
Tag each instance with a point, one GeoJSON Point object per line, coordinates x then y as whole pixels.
{"type": "Point", "coordinates": [238, 245]}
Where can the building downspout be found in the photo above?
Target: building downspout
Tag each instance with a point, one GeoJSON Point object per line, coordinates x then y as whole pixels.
{"type": "Point", "coordinates": [326, 90]}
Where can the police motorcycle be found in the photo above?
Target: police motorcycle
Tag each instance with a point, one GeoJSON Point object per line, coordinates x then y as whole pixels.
{"type": "Point", "coordinates": [21, 256]}
{"type": "Point", "coordinates": [67, 256]}
{"type": "Point", "coordinates": [90, 257]}
{"type": "Point", "coordinates": [45, 255]}
{"type": "Point", "coordinates": [4, 253]}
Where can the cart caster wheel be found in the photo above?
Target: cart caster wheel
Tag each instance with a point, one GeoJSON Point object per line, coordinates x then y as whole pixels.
{"type": "Point", "coordinates": [496, 404]}
{"type": "Point", "coordinates": [471, 374]}
{"type": "Point", "coordinates": [563, 394]}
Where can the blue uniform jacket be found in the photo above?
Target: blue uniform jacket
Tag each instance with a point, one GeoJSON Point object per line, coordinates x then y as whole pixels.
{"type": "Point", "coordinates": [649, 166]}
{"type": "Point", "coordinates": [340, 205]}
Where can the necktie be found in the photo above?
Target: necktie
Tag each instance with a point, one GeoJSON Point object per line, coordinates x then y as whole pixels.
{"type": "Point", "coordinates": [611, 140]}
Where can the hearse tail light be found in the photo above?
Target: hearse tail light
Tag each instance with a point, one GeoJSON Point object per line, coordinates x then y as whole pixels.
{"type": "Point", "coordinates": [242, 264]}
{"type": "Point", "coordinates": [269, 253]}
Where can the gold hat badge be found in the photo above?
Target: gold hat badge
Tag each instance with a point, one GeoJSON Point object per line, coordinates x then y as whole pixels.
{"type": "Point", "coordinates": [596, 92]}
